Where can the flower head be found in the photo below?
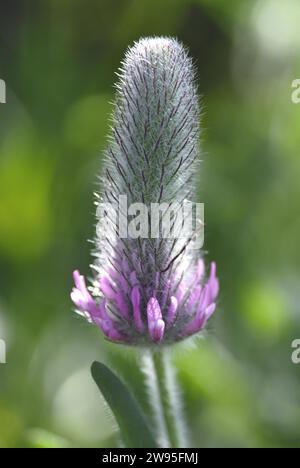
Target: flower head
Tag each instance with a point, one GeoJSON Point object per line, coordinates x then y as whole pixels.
{"type": "Point", "coordinates": [149, 289]}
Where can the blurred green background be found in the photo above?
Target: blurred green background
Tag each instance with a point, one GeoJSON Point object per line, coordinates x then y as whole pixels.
{"type": "Point", "coordinates": [58, 59]}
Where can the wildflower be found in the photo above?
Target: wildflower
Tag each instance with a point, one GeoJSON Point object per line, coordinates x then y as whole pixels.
{"type": "Point", "coordinates": [150, 290]}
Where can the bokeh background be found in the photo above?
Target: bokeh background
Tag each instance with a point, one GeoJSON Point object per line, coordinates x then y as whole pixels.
{"type": "Point", "coordinates": [59, 58]}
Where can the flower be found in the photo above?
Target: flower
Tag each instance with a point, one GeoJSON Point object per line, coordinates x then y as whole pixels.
{"type": "Point", "coordinates": [149, 289]}
{"type": "Point", "coordinates": [139, 314]}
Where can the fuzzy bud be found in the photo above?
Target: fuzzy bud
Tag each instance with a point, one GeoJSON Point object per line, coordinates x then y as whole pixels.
{"type": "Point", "coordinates": [149, 288]}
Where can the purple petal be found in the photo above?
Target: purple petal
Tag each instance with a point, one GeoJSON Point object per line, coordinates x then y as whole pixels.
{"type": "Point", "coordinates": [209, 311]}
{"type": "Point", "coordinates": [125, 266]}
{"type": "Point", "coordinates": [156, 330]}
{"type": "Point", "coordinates": [107, 324]}
{"type": "Point", "coordinates": [199, 321]}
{"type": "Point", "coordinates": [180, 291]}
{"type": "Point", "coordinates": [133, 278]}
{"type": "Point", "coordinates": [79, 280]}
{"type": "Point", "coordinates": [211, 288]}
{"type": "Point", "coordinates": [82, 298]}
{"type": "Point", "coordinates": [204, 299]}
{"type": "Point", "coordinates": [213, 281]}
{"type": "Point", "coordinates": [156, 325]}
{"type": "Point", "coordinates": [195, 325]}
{"type": "Point", "coordinates": [110, 331]}
{"type": "Point", "coordinates": [115, 296]}
{"type": "Point", "coordinates": [124, 284]}
{"type": "Point", "coordinates": [136, 301]}
{"type": "Point", "coordinates": [194, 298]}
{"type": "Point", "coordinates": [107, 288]}
{"type": "Point", "coordinates": [122, 305]}
{"type": "Point", "coordinates": [77, 298]}
{"type": "Point", "coordinates": [172, 311]}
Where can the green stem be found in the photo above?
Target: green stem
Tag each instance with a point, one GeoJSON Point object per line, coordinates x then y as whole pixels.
{"type": "Point", "coordinates": [164, 398]}
{"type": "Point", "coordinates": [176, 419]}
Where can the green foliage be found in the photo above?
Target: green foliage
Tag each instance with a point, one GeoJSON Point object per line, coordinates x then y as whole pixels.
{"type": "Point", "coordinates": [132, 423]}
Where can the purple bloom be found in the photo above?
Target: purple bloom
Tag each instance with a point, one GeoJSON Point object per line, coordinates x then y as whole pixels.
{"type": "Point", "coordinates": [136, 314]}
{"type": "Point", "coordinates": [150, 290]}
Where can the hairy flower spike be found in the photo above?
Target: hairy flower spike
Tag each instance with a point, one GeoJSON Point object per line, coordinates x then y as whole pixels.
{"type": "Point", "coordinates": [149, 289]}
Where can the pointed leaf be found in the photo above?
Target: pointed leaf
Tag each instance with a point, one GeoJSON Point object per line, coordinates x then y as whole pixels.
{"type": "Point", "coordinates": [132, 423]}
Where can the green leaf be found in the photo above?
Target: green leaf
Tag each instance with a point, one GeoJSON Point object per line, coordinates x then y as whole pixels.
{"type": "Point", "coordinates": [132, 423]}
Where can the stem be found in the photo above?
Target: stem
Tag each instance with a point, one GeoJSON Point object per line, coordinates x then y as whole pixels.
{"type": "Point", "coordinates": [153, 383]}
{"type": "Point", "coordinates": [175, 411]}
{"type": "Point", "coordinates": [164, 399]}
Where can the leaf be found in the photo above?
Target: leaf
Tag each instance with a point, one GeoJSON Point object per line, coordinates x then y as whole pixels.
{"type": "Point", "coordinates": [132, 423]}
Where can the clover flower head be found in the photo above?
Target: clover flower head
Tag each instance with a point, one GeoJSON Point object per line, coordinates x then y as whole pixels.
{"type": "Point", "coordinates": [149, 290]}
